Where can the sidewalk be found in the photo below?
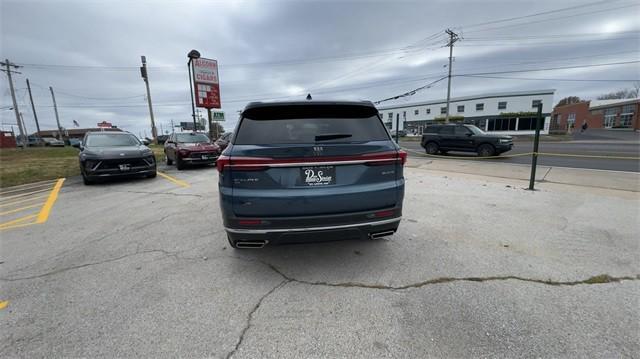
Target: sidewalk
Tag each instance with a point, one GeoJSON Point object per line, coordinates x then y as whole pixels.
{"type": "Point", "coordinates": [615, 180]}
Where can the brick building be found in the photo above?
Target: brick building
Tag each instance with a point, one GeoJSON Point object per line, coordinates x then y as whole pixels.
{"type": "Point", "coordinates": [620, 113]}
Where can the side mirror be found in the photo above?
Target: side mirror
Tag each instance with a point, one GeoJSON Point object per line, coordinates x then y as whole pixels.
{"type": "Point", "coordinates": [469, 134]}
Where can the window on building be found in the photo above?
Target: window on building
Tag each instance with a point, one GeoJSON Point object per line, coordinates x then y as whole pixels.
{"type": "Point", "coordinates": [626, 116]}
{"type": "Point", "coordinates": [404, 114]}
{"type": "Point", "coordinates": [479, 107]}
{"type": "Point", "coordinates": [610, 117]}
{"type": "Point", "coordinates": [443, 110]}
{"type": "Point", "coordinates": [416, 112]}
{"type": "Point", "coordinates": [627, 109]}
{"type": "Point", "coordinates": [527, 123]}
{"type": "Point", "coordinates": [460, 108]}
{"type": "Point", "coordinates": [502, 105]}
{"type": "Point", "coordinates": [571, 120]}
{"type": "Point", "coordinates": [501, 124]}
{"type": "Point", "coordinates": [535, 103]}
{"type": "Point", "coordinates": [391, 115]}
{"type": "Point", "coordinates": [428, 111]}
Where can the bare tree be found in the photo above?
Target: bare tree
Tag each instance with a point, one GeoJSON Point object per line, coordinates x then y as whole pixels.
{"type": "Point", "coordinates": [569, 100]}
{"type": "Point", "coordinates": [622, 94]}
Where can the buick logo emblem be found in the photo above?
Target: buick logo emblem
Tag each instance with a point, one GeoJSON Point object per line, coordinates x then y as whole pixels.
{"type": "Point", "coordinates": [317, 150]}
{"type": "Point", "coordinates": [122, 154]}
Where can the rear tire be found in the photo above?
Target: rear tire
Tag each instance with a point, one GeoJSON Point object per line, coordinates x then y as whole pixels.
{"type": "Point", "coordinates": [431, 148]}
{"type": "Point", "coordinates": [486, 150]}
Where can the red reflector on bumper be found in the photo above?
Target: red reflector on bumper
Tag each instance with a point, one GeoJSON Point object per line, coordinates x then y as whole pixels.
{"type": "Point", "coordinates": [249, 222]}
{"type": "Point", "coordinates": [383, 214]}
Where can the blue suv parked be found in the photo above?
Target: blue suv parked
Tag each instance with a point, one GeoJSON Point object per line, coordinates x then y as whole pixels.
{"type": "Point", "coordinates": [310, 171]}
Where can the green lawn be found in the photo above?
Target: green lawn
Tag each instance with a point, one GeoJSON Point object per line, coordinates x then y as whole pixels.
{"type": "Point", "coordinates": [18, 166]}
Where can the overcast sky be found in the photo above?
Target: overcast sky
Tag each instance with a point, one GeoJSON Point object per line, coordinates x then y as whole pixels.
{"type": "Point", "coordinates": [89, 51]}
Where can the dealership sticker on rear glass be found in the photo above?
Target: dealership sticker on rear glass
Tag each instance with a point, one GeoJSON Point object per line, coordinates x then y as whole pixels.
{"type": "Point", "coordinates": [318, 176]}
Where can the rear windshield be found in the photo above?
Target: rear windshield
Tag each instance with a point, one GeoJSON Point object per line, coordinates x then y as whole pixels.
{"type": "Point", "coordinates": [310, 130]}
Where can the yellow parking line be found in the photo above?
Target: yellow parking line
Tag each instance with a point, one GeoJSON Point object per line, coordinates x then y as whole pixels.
{"type": "Point", "coordinates": [3, 304]}
{"type": "Point", "coordinates": [46, 209]}
{"type": "Point", "coordinates": [26, 194]}
{"type": "Point", "coordinates": [6, 225]}
{"type": "Point", "coordinates": [15, 189]}
{"type": "Point", "coordinates": [22, 201]}
{"type": "Point", "coordinates": [180, 183]}
{"type": "Point", "coordinates": [19, 209]}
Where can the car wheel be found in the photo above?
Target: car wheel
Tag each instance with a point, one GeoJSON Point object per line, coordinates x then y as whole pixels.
{"type": "Point", "coordinates": [169, 161]}
{"type": "Point", "coordinates": [486, 150]}
{"type": "Point", "coordinates": [86, 180]}
{"type": "Point", "coordinates": [431, 148]}
{"type": "Point", "coordinates": [152, 175]}
{"type": "Point", "coordinates": [179, 163]}
{"type": "Point", "coordinates": [443, 152]}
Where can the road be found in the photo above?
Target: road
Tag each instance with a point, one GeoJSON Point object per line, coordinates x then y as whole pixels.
{"type": "Point", "coordinates": [590, 147]}
{"type": "Point", "coordinates": [479, 268]}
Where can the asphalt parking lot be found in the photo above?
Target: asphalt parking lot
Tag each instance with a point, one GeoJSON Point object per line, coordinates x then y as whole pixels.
{"type": "Point", "coordinates": [480, 267]}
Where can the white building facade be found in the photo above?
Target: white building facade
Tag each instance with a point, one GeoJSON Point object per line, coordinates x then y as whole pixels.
{"type": "Point", "coordinates": [499, 113]}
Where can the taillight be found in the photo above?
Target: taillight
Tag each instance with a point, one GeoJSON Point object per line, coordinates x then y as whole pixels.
{"type": "Point", "coordinates": [403, 156]}
{"type": "Point", "coordinates": [384, 214]}
{"type": "Point", "coordinates": [250, 222]}
{"type": "Point", "coordinates": [222, 162]}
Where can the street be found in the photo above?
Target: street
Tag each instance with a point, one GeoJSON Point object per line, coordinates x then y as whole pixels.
{"type": "Point", "coordinates": [625, 144]}
{"type": "Point", "coordinates": [480, 267]}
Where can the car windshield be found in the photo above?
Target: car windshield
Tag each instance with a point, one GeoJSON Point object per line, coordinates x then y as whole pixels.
{"type": "Point", "coordinates": [191, 138]}
{"type": "Point", "coordinates": [475, 130]}
{"type": "Point", "coordinates": [112, 140]}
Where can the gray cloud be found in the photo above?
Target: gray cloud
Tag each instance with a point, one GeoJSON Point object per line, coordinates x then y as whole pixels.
{"type": "Point", "coordinates": [271, 50]}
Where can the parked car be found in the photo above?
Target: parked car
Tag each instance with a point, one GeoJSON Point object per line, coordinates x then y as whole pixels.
{"type": "Point", "coordinates": [306, 171]}
{"type": "Point", "coordinates": [114, 154]}
{"type": "Point", "coordinates": [52, 142]}
{"type": "Point", "coordinates": [190, 148]}
{"type": "Point", "coordinates": [33, 141]}
{"type": "Point", "coordinates": [223, 141]}
{"type": "Point", "coordinates": [464, 138]}
{"type": "Point", "coordinates": [73, 141]}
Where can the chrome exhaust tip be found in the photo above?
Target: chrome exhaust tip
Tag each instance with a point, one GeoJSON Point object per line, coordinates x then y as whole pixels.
{"type": "Point", "coordinates": [251, 244]}
{"type": "Point", "coordinates": [381, 234]}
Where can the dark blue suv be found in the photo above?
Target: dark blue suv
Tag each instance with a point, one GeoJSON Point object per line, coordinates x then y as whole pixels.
{"type": "Point", "coordinates": [310, 171]}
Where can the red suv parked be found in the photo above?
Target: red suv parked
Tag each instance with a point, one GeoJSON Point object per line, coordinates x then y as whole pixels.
{"type": "Point", "coordinates": [190, 148]}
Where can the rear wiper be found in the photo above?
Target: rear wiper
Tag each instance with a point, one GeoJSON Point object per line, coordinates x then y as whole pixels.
{"type": "Point", "coordinates": [332, 136]}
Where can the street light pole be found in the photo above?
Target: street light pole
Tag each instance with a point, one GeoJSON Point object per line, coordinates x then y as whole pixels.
{"type": "Point", "coordinates": [193, 54]}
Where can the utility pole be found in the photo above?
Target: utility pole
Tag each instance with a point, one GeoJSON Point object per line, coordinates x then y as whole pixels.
{"type": "Point", "coordinates": [8, 66]}
{"type": "Point", "coordinates": [23, 128]}
{"type": "Point", "coordinates": [145, 76]}
{"type": "Point", "coordinates": [210, 117]}
{"type": "Point", "coordinates": [55, 109]}
{"type": "Point", "coordinates": [453, 37]}
{"type": "Point", "coordinates": [35, 116]}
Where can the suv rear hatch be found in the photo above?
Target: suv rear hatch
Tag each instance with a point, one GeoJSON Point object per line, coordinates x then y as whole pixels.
{"type": "Point", "coordinates": [292, 160]}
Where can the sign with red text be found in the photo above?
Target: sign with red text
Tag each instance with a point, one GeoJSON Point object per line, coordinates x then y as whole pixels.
{"type": "Point", "coordinates": [105, 124]}
{"type": "Point", "coordinates": [206, 84]}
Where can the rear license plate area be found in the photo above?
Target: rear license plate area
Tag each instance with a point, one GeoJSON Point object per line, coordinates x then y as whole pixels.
{"type": "Point", "coordinates": [318, 176]}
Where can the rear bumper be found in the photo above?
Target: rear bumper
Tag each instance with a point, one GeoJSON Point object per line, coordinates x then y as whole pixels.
{"type": "Point", "coordinates": [333, 229]}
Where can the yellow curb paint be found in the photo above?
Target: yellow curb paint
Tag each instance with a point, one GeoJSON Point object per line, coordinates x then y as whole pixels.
{"type": "Point", "coordinates": [19, 209]}
{"type": "Point", "coordinates": [3, 304]}
{"type": "Point", "coordinates": [174, 180]}
{"type": "Point", "coordinates": [53, 196]}
{"type": "Point", "coordinates": [22, 201]}
{"type": "Point", "coordinates": [588, 156]}
{"type": "Point", "coordinates": [6, 225]}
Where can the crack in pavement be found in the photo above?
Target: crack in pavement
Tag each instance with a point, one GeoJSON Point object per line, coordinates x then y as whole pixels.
{"type": "Point", "coordinates": [250, 317]}
{"type": "Point", "coordinates": [84, 265]}
{"type": "Point", "coordinates": [598, 279]}
{"type": "Point", "coordinates": [161, 193]}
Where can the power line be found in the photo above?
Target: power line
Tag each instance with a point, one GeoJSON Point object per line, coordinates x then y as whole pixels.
{"type": "Point", "coordinates": [547, 79]}
{"type": "Point", "coordinates": [554, 18]}
{"type": "Point", "coordinates": [554, 68]}
{"type": "Point", "coordinates": [538, 14]}
{"type": "Point", "coordinates": [412, 92]}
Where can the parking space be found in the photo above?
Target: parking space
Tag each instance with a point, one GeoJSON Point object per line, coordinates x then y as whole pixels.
{"type": "Point", "coordinates": [480, 267]}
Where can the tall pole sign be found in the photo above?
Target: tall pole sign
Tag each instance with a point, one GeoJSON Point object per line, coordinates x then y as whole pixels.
{"type": "Point", "coordinates": [206, 84]}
